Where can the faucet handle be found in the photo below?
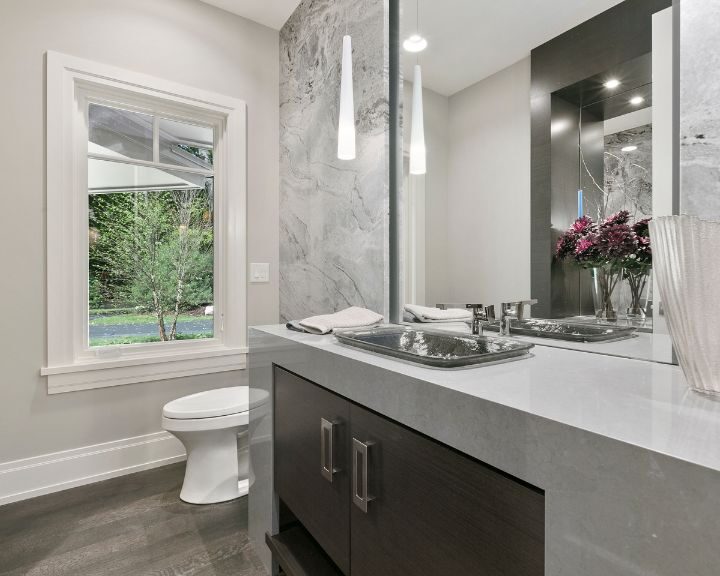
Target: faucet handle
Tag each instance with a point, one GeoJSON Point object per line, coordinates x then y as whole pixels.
{"type": "Point", "coordinates": [490, 313]}
{"type": "Point", "coordinates": [482, 312]}
{"type": "Point", "coordinates": [517, 309]}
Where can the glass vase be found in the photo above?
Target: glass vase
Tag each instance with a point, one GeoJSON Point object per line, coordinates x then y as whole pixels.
{"type": "Point", "coordinates": [605, 280]}
{"type": "Point", "coordinates": [637, 282]}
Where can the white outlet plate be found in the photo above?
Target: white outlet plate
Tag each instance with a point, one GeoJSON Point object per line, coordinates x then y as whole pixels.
{"type": "Point", "coordinates": [259, 272]}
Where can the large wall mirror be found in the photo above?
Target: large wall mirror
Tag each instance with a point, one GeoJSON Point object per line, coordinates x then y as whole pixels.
{"type": "Point", "coordinates": [549, 141]}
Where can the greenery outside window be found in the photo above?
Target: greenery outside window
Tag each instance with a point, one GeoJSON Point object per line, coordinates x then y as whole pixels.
{"type": "Point", "coordinates": [151, 229]}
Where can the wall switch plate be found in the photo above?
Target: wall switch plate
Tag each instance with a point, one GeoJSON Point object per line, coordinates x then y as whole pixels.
{"type": "Point", "coordinates": [259, 272]}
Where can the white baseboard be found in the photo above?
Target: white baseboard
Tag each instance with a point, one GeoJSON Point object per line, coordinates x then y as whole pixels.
{"type": "Point", "coordinates": [29, 477]}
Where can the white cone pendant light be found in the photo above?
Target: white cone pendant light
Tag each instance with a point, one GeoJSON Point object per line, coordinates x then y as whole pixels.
{"type": "Point", "coordinates": [417, 130]}
{"type": "Point", "coordinates": [346, 123]}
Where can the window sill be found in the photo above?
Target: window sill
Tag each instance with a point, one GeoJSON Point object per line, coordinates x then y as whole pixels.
{"type": "Point", "coordinates": [104, 372]}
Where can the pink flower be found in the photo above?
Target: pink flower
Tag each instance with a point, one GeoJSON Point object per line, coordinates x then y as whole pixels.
{"type": "Point", "coordinates": [582, 225]}
{"type": "Point", "coordinates": [584, 244]}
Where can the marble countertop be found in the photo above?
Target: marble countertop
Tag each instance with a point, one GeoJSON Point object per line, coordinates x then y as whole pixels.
{"type": "Point", "coordinates": [640, 403]}
{"type": "Point", "coordinates": [642, 346]}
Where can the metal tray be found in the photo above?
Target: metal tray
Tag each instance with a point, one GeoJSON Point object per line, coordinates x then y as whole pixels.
{"type": "Point", "coordinates": [438, 349]}
{"type": "Point", "coordinates": [568, 331]}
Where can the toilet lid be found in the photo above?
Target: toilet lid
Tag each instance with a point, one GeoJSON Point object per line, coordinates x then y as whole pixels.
{"type": "Point", "coordinates": [209, 404]}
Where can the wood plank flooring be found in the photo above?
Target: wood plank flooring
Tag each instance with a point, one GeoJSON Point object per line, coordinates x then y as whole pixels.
{"type": "Point", "coordinates": [130, 526]}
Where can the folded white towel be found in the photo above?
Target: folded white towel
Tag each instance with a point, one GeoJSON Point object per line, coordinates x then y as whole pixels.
{"type": "Point", "coordinates": [353, 317]}
{"type": "Point", "coordinates": [427, 314]}
{"type": "Point", "coordinates": [456, 327]}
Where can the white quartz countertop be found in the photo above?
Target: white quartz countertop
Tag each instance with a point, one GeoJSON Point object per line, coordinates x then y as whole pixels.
{"type": "Point", "coordinates": [641, 403]}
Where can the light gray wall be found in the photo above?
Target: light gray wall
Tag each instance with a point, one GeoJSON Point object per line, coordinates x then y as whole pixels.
{"type": "Point", "coordinates": [333, 213]}
{"type": "Point", "coordinates": [488, 208]}
{"type": "Point", "coordinates": [436, 117]}
{"type": "Point", "coordinates": [180, 40]}
{"type": "Point", "coordinates": [699, 108]}
{"type": "Point", "coordinates": [477, 188]}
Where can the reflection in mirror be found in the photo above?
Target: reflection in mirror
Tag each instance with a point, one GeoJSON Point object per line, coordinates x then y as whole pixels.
{"type": "Point", "coordinates": [530, 124]}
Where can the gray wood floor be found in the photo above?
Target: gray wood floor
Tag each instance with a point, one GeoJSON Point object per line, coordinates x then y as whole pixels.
{"type": "Point", "coordinates": [133, 525]}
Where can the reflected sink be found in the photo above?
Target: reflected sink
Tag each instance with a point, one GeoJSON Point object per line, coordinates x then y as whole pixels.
{"type": "Point", "coordinates": [438, 349]}
{"type": "Point", "coordinates": [570, 331]}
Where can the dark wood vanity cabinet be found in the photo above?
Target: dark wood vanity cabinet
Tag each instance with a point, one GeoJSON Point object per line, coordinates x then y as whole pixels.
{"type": "Point", "coordinates": [399, 503]}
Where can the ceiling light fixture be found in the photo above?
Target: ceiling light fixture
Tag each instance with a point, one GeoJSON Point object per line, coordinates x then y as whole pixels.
{"type": "Point", "coordinates": [417, 130]}
{"type": "Point", "coordinates": [612, 83]}
{"type": "Point", "coordinates": [415, 43]}
{"type": "Point", "coordinates": [346, 121]}
{"type": "Point", "coordinates": [418, 154]}
{"type": "Point", "coordinates": [629, 149]}
{"type": "Point", "coordinates": [637, 100]}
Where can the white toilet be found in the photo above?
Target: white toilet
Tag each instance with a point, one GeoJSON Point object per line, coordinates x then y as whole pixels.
{"type": "Point", "coordinates": [213, 427]}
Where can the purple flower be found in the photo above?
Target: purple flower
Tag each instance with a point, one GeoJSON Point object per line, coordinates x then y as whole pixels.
{"type": "Point", "coordinates": [622, 217]}
{"type": "Point", "coordinates": [616, 241]}
{"type": "Point", "coordinates": [641, 228]}
{"type": "Point", "coordinates": [565, 245]}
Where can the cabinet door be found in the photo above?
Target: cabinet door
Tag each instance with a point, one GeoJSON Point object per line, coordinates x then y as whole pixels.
{"type": "Point", "coordinates": [311, 438]}
{"type": "Point", "coordinates": [434, 512]}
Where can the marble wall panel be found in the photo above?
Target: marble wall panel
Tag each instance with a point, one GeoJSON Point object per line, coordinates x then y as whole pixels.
{"type": "Point", "coordinates": [333, 213]}
{"type": "Point", "coordinates": [700, 108]}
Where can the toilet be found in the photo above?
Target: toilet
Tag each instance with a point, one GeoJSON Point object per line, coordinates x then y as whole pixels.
{"type": "Point", "coordinates": [213, 426]}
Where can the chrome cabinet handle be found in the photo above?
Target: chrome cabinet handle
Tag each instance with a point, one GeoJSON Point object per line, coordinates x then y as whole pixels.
{"type": "Point", "coordinates": [327, 449]}
{"type": "Point", "coordinates": [360, 453]}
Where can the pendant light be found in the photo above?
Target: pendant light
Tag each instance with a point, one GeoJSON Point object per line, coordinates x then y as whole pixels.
{"type": "Point", "coordinates": [346, 122]}
{"type": "Point", "coordinates": [417, 130]}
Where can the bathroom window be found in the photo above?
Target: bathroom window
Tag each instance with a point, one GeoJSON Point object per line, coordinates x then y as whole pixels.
{"type": "Point", "coordinates": [146, 234]}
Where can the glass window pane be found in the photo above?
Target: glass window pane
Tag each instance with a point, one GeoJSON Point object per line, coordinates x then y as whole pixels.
{"type": "Point", "coordinates": [150, 266]}
{"type": "Point", "coordinates": [120, 133]}
{"type": "Point", "coordinates": [186, 144]}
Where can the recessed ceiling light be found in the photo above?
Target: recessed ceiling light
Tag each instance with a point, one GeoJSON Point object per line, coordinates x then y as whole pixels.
{"type": "Point", "coordinates": [637, 100]}
{"type": "Point", "coordinates": [612, 83]}
{"type": "Point", "coordinates": [629, 148]}
{"type": "Point", "coordinates": [415, 43]}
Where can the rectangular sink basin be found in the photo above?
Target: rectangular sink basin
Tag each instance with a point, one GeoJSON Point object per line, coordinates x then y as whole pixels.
{"type": "Point", "coordinates": [438, 349]}
{"type": "Point", "coordinates": [569, 331]}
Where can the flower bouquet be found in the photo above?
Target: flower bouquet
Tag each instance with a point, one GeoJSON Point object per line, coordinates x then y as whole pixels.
{"type": "Point", "coordinates": [612, 249]}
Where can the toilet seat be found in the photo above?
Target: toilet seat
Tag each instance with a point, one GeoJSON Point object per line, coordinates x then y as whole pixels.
{"type": "Point", "coordinates": [209, 404]}
{"type": "Point", "coordinates": [214, 423]}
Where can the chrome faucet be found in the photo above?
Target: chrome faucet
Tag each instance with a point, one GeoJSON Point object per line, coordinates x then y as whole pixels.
{"type": "Point", "coordinates": [510, 311]}
{"type": "Point", "coordinates": [480, 314]}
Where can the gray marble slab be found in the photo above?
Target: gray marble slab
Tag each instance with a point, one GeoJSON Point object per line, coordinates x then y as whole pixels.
{"type": "Point", "coordinates": [333, 213]}
{"type": "Point", "coordinates": [699, 108]}
{"type": "Point", "coordinates": [628, 175]}
{"type": "Point", "coordinates": [629, 459]}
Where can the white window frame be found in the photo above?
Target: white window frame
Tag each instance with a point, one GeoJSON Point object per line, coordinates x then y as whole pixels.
{"type": "Point", "coordinates": [71, 365]}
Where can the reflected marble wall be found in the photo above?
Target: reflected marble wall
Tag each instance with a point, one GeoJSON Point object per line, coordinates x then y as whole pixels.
{"type": "Point", "coordinates": [333, 214]}
{"type": "Point", "coordinates": [628, 175]}
{"type": "Point", "coordinates": [700, 108]}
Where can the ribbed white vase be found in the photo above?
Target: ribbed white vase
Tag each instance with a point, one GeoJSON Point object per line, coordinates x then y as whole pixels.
{"type": "Point", "coordinates": [686, 260]}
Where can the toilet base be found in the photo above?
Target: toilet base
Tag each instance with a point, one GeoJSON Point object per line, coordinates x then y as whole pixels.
{"type": "Point", "coordinates": [211, 471]}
